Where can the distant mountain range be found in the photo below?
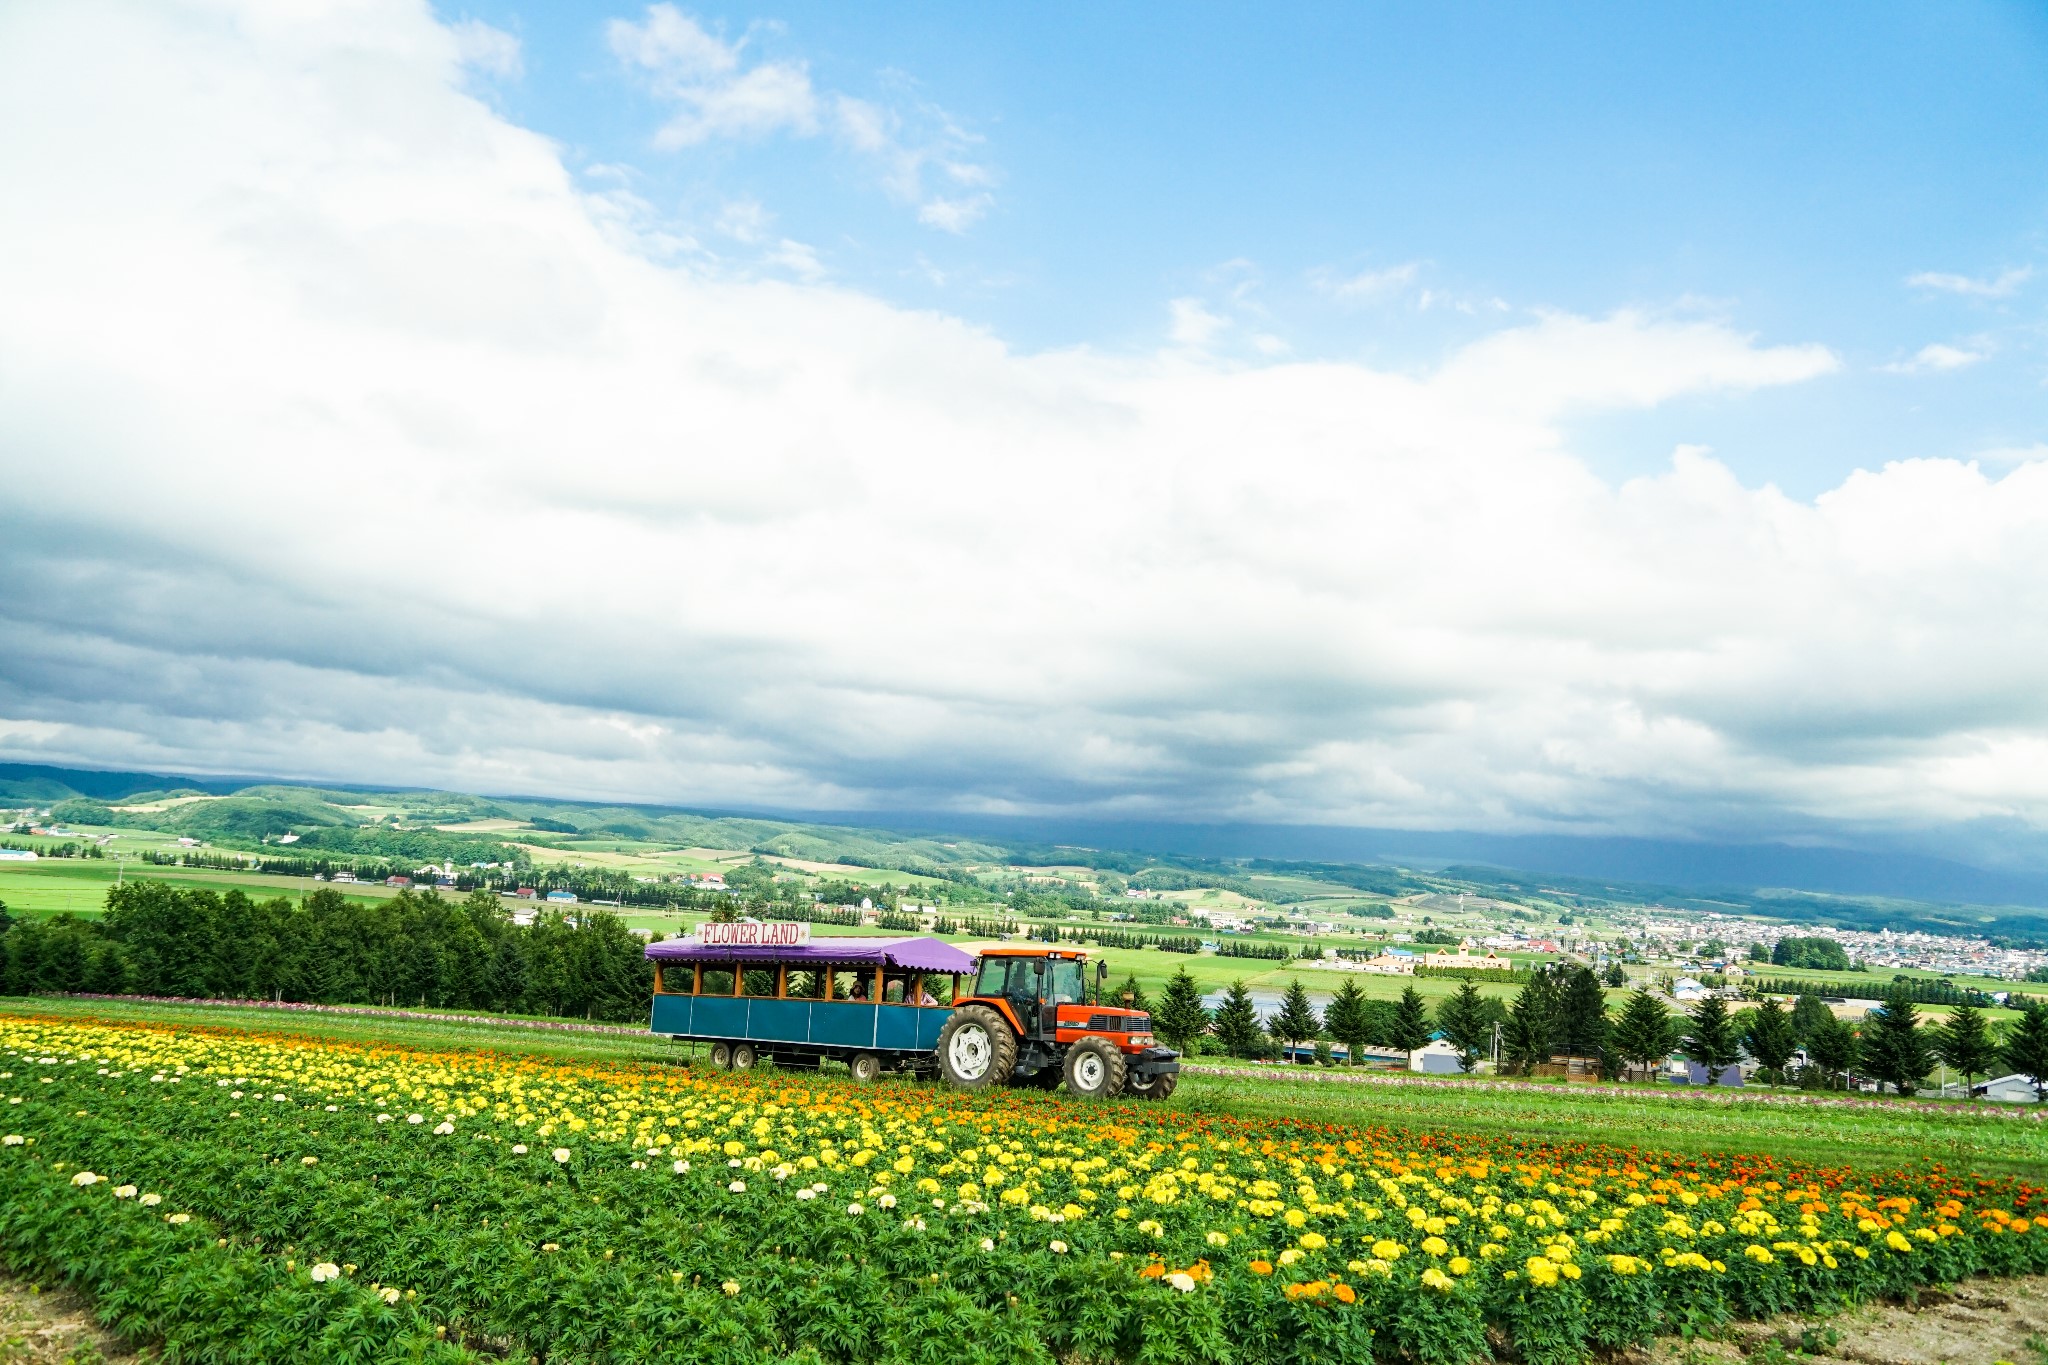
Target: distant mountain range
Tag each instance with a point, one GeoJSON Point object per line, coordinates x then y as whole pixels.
{"type": "Point", "coordinates": [1774, 878]}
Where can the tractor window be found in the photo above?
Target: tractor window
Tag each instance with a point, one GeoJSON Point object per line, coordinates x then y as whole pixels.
{"type": "Point", "coordinates": [1066, 986]}
{"type": "Point", "coordinates": [993, 971]}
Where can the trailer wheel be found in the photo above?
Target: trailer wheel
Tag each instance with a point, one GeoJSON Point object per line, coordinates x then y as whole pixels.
{"type": "Point", "coordinates": [976, 1048]}
{"type": "Point", "coordinates": [865, 1066]}
{"type": "Point", "coordinates": [721, 1056]}
{"type": "Point", "coordinates": [1095, 1070]}
{"type": "Point", "coordinates": [743, 1057]}
{"type": "Point", "coordinates": [1158, 1088]}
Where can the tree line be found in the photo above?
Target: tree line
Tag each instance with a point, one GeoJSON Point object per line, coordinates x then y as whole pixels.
{"type": "Point", "coordinates": [1561, 1012]}
{"type": "Point", "coordinates": [412, 949]}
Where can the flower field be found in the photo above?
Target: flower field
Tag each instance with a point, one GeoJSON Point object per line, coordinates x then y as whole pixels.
{"type": "Point", "coordinates": [252, 1197]}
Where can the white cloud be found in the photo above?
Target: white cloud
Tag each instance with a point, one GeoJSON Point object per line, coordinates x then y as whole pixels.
{"type": "Point", "coordinates": [744, 220]}
{"type": "Point", "coordinates": [1193, 324]}
{"type": "Point", "coordinates": [799, 259]}
{"type": "Point", "coordinates": [1367, 285]}
{"type": "Point", "coordinates": [489, 50]}
{"type": "Point", "coordinates": [719, 95]}
{"type": "Point", "coordinates": [1936, 357]}
{"type": "Point", "coordinates": [450, 481]}
{"type": "Point", "coordinates": [2001, 286]}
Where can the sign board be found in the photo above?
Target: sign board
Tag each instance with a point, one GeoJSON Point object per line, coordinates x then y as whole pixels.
{"type": "Point", "coordinates": [753, 935]}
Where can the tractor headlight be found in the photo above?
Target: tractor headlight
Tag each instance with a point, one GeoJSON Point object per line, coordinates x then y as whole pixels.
{"type": "Point", "coordinates": [1142, 1040]}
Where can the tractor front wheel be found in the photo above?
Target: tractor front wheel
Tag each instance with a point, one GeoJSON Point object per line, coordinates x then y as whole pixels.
{"type": "Point", "coordinates": [1095, 1070]}
{"type": "Point", "coordinates": [1158, 1088]}
{"type": "Point", "coordinates": [977, 1048]}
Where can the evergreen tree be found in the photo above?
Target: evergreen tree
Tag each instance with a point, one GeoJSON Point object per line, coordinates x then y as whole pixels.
{"type": "Point", "coordinates": [1894, 1050]}
{"type": "Point", "coordinates": [1642, 1036]}
{"type": "Point", "coordinates": [1768, 1036]}
{"type": "Point", "coordinates": [1833, 1047]}
{"type": "Point", "coordinates": [1237, 1021]}
{"type": "Point", "coordinates": [2026, 1048]}
{"type": "Point", "coordinates": [1348, 1020]}
{"type": "Point", "coordinates": [1711, 1040]}
{"type": "Point", "coordinates": [1964, 1044]}
{"type": "Point", "coordinates": [1411, 1023]}
{"type": "Point", "coordinates": [1809, 1013]}
{"type": "Point", "coordinates": [1531, 1023]}
{"type": "Point", "coordinates": [1131, 995]}
{"type": "Point", "coordinates": [1616, 977]}
{"type": "Point", "coordinates": [6, 920]}
{"type": "Point", "coordinates": [1465, 1024]}
{"type": "Point", "coordinates": [1581, 1015]}
{"type": "Point", "coordinates": [1180, 1018]}
{"type": "Point", "coordinates": [1296, 1022]}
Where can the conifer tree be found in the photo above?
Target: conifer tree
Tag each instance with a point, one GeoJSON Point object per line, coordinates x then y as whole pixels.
{"type": "Point", "coordinates": [1465, 1025]}
{"type": "Point", "coordinates": [1893, 1049]}
{"type": "Point", "coordinates": [1581, 1015]}
{"type": "Point", "coordinates": [1180, 1018]}
{"type": "Point", "coordinates": [1964, 1044]}
{"type": "Point", "coordinates": [1296, 1022]}
{"type": "Point", "coordinates": [1833, 1047]}
{"type": "Point", "coordinates": [1711, 1040]}
{"type": "Point", "coordinates": [1767, 1033]}
{"type": "Point", "coordinates": [1809, 1013]}
{"type": "Point", "coordinates": [1411, 1023]}
{"type": "Point", "coordinates": [2026, 1048]}
{"type": "Point", "coordinates": [1348, 1020]}
{"type": "Point", "coordinates": [1531, 1022]}
{"type": "Point", "coordinates": [1643, 1034]}
{"type": "Point", "coordinates": [1237, 1021]}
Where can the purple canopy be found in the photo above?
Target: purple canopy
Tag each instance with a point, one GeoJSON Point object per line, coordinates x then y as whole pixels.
{"type": "Point", "coordinates": [911, 954]}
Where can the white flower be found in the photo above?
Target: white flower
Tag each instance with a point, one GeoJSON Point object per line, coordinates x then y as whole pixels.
{"type": "Point", "coordinates": [309, 1161]}
{"type": "Point", "coordinates": [12, 1140]}
{"type": "Point", "coordinates": [807, 1194]}
{"type": "Point", "coordinates": [988, 1244]}
{"type": "Point", "coordinates": [519, 1149]}
{"type": "Point", "coordinates": [124, 1191]}
{"type": "Point", "coordinates": [383, 1118]}
{"type": "Point", "coordinates": [334, 1109]}
{"type": "Point", "coordinates": [682, 1166]}
{"type": "Point", "coordinates": [855, 1209]}
{"type": "Point", "coordinates": [85, 1178]}
{"type": "Point", "coordinates": [887, 1201]}
{"type": "Point", "coordinates": [150, 1201]}
{"type": "Point", "coordinates": [731, 1288]}
{"type": "Point", "coordinates": [237, 1095]}
{"type": "Point", "coordinates": [1182, 1281]}
{"type": "Point", "coordinates": [415, 1118]}
{"type": "Point", "coordinates": [639, 1165]}
{"type": "Point", "coordinates": [443, 1129]}
{"type": "Point", "coordinates": [561, 1154]}
{"type": "Point", "coordinates": [278, 1098]}
{"type": "Point", "coordinates": [738, 1187]}
{"type": "Point", "coordinates": [1057, 1248]}
{"type": "Point", "coordinates": [325, 1271]}
{"type": "Point", "coordinates": [389, 1295]}
{"type": "Point", "coordinates": [177, 1218]}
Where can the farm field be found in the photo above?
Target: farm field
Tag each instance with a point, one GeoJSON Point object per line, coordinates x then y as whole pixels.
{"type": "Point", "coordinates": [262, 1195]}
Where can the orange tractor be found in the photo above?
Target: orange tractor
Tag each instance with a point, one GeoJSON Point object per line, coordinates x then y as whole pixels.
{"type": "Point", "coordinates": [1029, 1023]}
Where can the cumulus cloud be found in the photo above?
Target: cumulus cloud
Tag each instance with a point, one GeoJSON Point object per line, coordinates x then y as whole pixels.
{"type": "Point", "coordinates": [346, 434]}
{"type": "Point", "coordinates": [2000, 286]}
{"type": "Point", "coordinates": [1367, 285]}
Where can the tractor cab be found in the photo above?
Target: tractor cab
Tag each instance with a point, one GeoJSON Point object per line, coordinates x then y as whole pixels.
{"type": "Point", "coordinates": [1029, 1022]}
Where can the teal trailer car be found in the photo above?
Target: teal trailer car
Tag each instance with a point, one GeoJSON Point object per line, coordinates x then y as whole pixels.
{"type": "Point", "coordinates": [876, 1004]}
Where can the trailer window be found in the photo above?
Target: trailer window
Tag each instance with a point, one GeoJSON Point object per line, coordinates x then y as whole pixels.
{"type": "Point", "coordinates": [806, 985]}
{"type": "Point", "coordinates": [759, 981]}
{"type": "Point", "coordinates": [1066, 986]}
{"type": "Point", "coordinates": [717, 981]}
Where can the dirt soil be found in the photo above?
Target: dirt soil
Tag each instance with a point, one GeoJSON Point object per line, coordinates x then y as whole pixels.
{"type": "Point", "coordinates": [56, 1327]}
{"type": "Point", "coordinates": [1978, 1322]}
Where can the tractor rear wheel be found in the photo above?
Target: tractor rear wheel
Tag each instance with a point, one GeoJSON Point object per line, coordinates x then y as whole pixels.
{"type": "Point", "coordinates": [976, 1048]}
{"type": "Point", "coordinates": [1095, 1070]}
{"type": "Point", "coordinates": [1158, 1088]}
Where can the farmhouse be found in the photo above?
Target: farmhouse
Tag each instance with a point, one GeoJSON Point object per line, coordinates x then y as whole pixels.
{"type": "Point", "coordinates": [2013, 1089]}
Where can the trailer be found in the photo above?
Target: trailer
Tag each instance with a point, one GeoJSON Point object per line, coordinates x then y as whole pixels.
{"type": "Point", "coordinates": [757, 992]}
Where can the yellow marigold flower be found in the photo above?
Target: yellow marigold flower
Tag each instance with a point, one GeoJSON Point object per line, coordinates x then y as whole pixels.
{"type": "Point", "coordinates": [1461, 1265]}
{"type": "Point", "coordinates": [1897, 1241]}
{"type": "Point", "coordinates": [1438, 1281]}
{"type": "Point", "coordinates": [1435, 1246]}
{"type": "Point", "coordinates": [1385, 1250]}
{"type": "Point", "coordinates": [1314, 1241]}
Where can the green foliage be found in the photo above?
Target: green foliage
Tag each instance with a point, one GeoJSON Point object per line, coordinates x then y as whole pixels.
{"type": "Point", "coordinates": [1893, 1048]}
{"type": "Point", "coordinates": [1964, 1043]}
{"type": "Point", "coordinates": [2026, 1048]}
{"type": "Point", "coordinates": [1833, 1046]}
{"type": "Point", "coordinates": [1711, 1039]}
{"type": "Point", "coordinates": [1768, 1034]}
{"type": "Point", "coordinates": [1815, 953]}
{"type": "Point", "coordinates": [1582, 1025]}
{"type": "Point", "coordinates": [1409, 1029]}
{"type": "Point", "coordinates": [1180, 1017]}
{"type": "Point", "coordinates": [1296, 1021]}
{"type": "Point", "coordinates": [1237, 1021]}
{"type": "Point", "coordinates": [1531, 1024]}
{"type": "Point", "coordinates": [1809, 1012]}
{"type": "Point", "coordinates": [1644, 1034]}
{"type": "Point", "coordinates": [1465, 1024]}
{"type": "Point", "coordinates": [1347, 1019]}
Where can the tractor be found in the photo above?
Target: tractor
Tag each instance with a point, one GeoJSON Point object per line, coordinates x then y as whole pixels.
{"type": "Point", "coordinates": [1028, 1023]}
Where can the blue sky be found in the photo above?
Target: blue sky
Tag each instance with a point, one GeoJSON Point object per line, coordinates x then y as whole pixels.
{"type": "Point", "coordinates": [1547, 421]}
{"type": "Point", "coordinates": [1787, 170]}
